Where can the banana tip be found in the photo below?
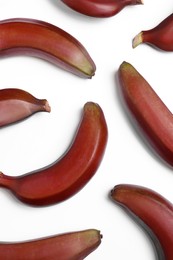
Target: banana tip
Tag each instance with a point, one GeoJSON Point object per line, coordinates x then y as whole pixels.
{"type": "Point", "coordinates": [111, 192]}
{"type": "Point", "coordinates": [91, 75]}
{"type": "Point", "coordinates": [117, 192]}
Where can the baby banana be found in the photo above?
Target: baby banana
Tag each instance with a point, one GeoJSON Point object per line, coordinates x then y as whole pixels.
{"type": "Point", "coordinates": [71, 172]}
{"type": "Point", "coordinates": [152, 211]}
{"type": "Point", "coordinates": [100, 8]}
{"type": "Point", "coordinates": [160, 36]}
{"type": "Point", "coordinates": [153, 117]}
{"type": "Point", "coordinates": [75, 245]}
{"type": "Point", "coordinates": [17, 104]}
{"type": "Point", "coordinates": [46, 41]}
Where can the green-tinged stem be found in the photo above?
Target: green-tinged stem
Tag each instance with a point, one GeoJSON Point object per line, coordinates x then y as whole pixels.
{"type": "Point", "coordinates": [137, 40]}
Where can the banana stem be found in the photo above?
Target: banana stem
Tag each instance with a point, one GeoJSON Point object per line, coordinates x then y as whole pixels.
{"type": "Point", "coordinates": [6, 181]}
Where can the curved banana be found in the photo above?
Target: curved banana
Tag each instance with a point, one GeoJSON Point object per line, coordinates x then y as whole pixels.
{"type": "Point", "coordinates": [160, 36]}
{"type": "Point", "coordinates": [75, 245]}
{"type": "Point", "coordinates": [152, 211]}
{"type": "Point", "coordinates": [71, 172]}
{"type": "Point", "coordinates": [46, 41]}
{"type": "Point", "coordinates": [153, 117]}
{"type": "Point", "coordinates": [100, 8]}
{"type": "Point", "coordinates": [17, 104]}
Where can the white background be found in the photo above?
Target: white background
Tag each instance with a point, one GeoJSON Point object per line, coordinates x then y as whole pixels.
{"type": "Point", "coordinates": [43, 138]}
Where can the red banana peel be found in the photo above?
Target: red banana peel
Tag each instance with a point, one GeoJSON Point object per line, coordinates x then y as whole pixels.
{"type": "Point", "coordinates": [148, 110]}
{"type": "Point", "coordinates": [152, 211]}
{"type": "Point", "coordinates": [71, 172]}
{"type": "Point", "coordinates": [100, 8]}
{"type": "Point", "coordinates": [46, 41]}
{"type": "Point", "coordinates": [17, 104]}
{"type": "Point", "coordinates": [160, 36]}
{"type": "Point", "coordinates": [75, 245]}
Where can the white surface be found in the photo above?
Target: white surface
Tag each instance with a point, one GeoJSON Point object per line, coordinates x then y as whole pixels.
{"type": "Point", "coordinates": [42, 138]}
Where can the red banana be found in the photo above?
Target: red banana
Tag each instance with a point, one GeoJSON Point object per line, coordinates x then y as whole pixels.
{"type": "Point", "coordinates": [17, 104]}
{"type": "Point", "coordinates": [75, 245]}
{"type": "Point", "coordinates": [46, 41]}
{"type": "Point", "coordinates": [148, 110]}
{"type": "Point", "coordinates": [71, 172]}
{"type": "Point", "coordinates": [160, 36]}
{"type": "Point", "coordinates": [100, 8]}
{"type": "Point", "coordinates": [152, 211]}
